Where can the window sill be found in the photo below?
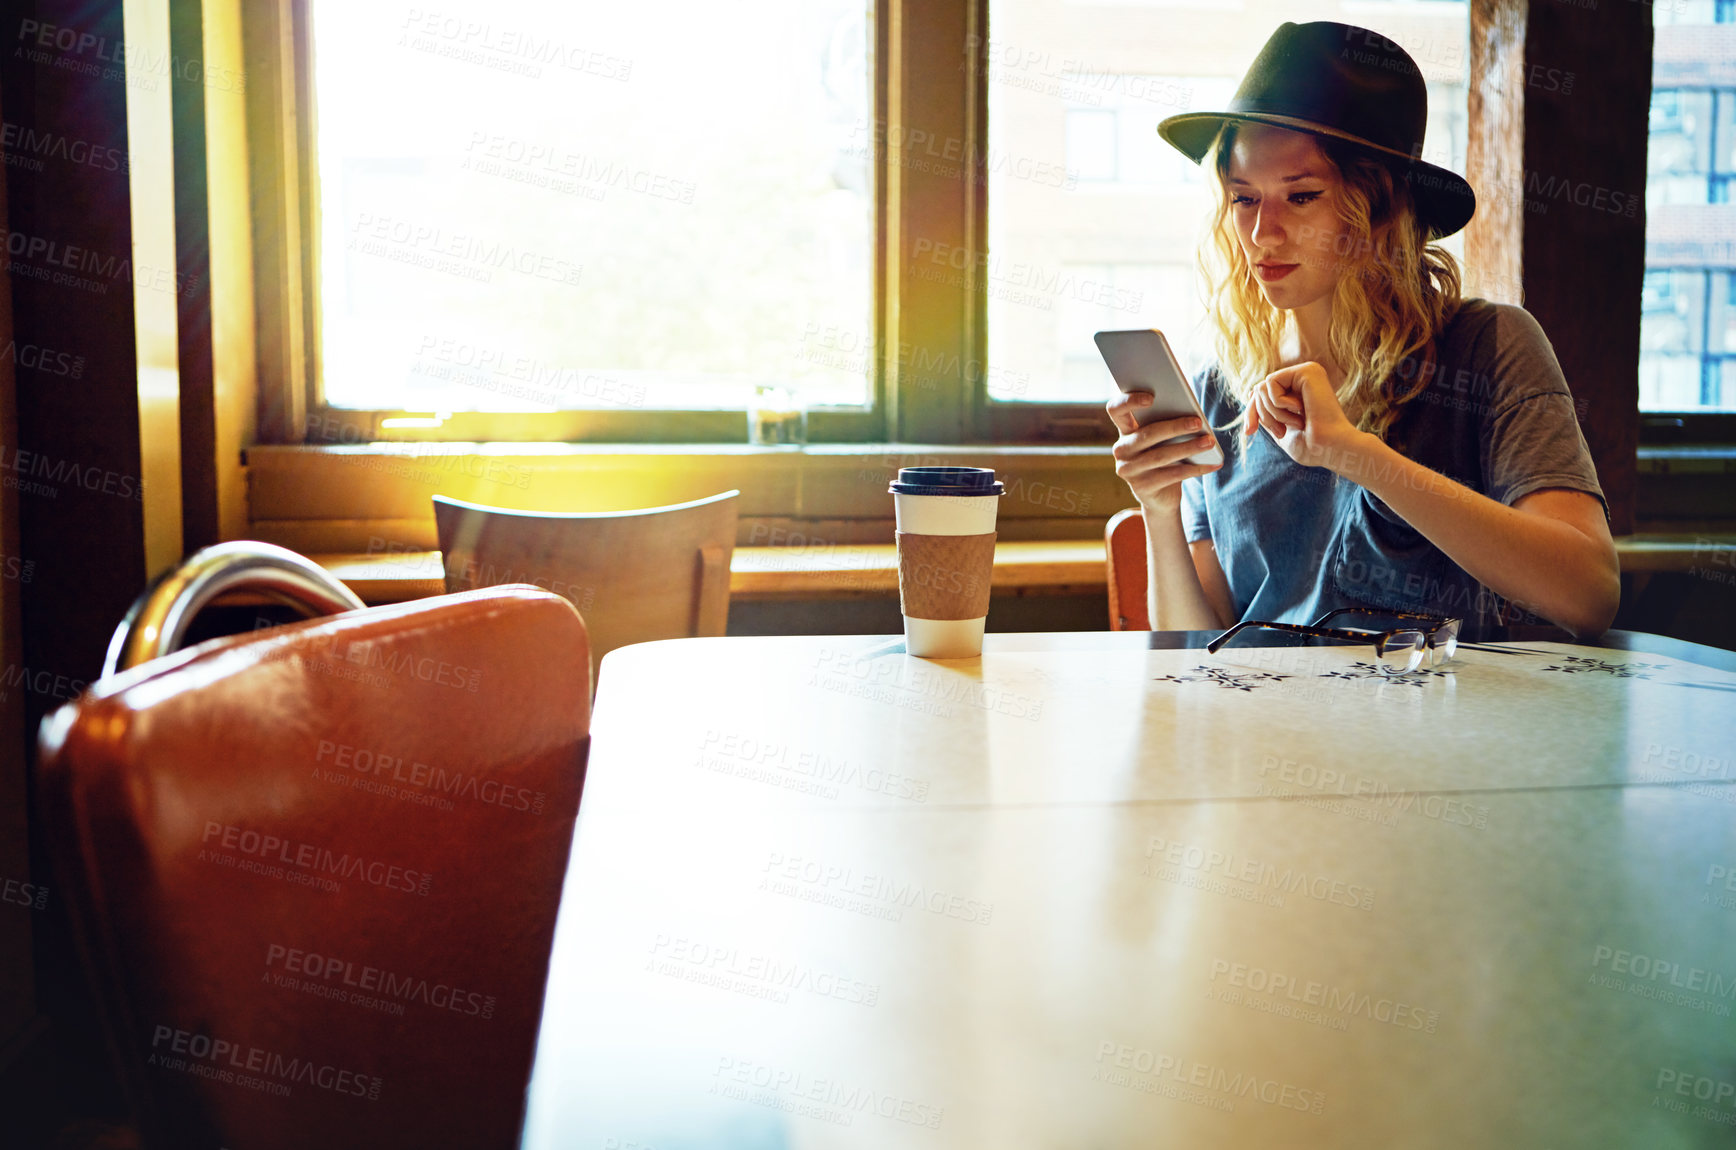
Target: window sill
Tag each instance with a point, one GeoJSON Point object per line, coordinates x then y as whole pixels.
{"type": "Point", "coordinates": [369, 498]}
{"type": "Point", "coordinates": [377, 496]}
{"type": "Point", "coordinates": [1686, 459]}
{"type": "Point", "coordinates": [776, 573]}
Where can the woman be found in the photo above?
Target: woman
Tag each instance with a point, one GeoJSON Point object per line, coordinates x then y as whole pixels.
{"type": "Point", "coordinates": [1386, 443]}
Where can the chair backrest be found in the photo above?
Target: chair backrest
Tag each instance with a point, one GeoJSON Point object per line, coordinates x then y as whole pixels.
{"type": "Point", "coordinates": [658, 573]}
{"type": "Point", "coordinates": [1125, 536]}
{"type": "Point", "coordinates": [314, 870]}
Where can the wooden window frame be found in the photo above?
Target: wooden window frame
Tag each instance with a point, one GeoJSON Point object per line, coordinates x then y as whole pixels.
{"type": "Point", "coordinates": [919, 88]}
{"type": "Point", "coordinates": [920, 94]}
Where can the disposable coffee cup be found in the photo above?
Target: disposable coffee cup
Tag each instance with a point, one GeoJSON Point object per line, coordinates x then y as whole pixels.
{"type": "Point", "coordinates": [946, 556]}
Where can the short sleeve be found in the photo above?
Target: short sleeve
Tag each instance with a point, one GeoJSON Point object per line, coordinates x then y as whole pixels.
{"type": "Point", "coordinates": [1531, 435]}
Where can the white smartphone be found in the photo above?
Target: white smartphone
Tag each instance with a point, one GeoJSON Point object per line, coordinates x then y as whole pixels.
{"type": "Point", "coordinates": [1142, 361]}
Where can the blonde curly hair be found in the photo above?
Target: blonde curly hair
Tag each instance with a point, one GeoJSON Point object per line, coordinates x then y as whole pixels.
{"type": "Point", "coordinates": [1395, 291]}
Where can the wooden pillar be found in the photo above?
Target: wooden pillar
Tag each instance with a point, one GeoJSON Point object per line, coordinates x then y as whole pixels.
{"type": "Point", "coordinates": [17, 981]}
{"type": "Point", "coordinates": [73, 458]}
{"type": "Point", "coordinates": [200, 519]}
{"type": "Point", "coordinates": [76, 459]}
{"type": "Point", "coordinates": [1588, 75]}
{"type": "Point", "coordinates": [1495, 151]}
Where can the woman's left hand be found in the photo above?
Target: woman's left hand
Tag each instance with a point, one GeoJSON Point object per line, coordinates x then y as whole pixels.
{"type": "Point", "coordinates": [1299, 410]}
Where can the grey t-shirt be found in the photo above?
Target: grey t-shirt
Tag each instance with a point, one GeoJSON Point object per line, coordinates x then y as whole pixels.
{"type": "Point", "coordinates": [1296, 542]}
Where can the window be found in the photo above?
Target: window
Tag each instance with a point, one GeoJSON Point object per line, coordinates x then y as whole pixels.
{"type": "Point", "coordinates": [1688, 320]}
{"type": "Point", "coordinates": [543, 207]}
{"type": "Point", "coordinates": [1688, 340]}
{"type": "Point", "coordinates": [560, 222]}
{"type": "Point", "coordinates": [1092, 153]}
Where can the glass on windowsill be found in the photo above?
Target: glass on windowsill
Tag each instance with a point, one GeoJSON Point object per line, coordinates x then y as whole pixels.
{"type": "Point", "coordinates": [777, 418]}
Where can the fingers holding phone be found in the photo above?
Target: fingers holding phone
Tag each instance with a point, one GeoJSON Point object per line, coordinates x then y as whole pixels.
{"type": "Point", "coordinates": [1164, 437]}
{"type": "Point", "coordinates": [1153, 460]}
{"type": "Point", "coordinates": [1124, 410]}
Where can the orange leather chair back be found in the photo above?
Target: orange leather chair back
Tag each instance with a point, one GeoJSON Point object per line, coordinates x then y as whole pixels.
{"type": "Point", "coordinates": [315, 869]}
{"type": "Point", "coordinates": [1125, 536]}
{"type": "Point", "coordinates": [636, 576]}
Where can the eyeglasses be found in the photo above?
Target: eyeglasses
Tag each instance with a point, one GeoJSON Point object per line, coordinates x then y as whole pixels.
{"type": "Point", "coordinates": [1398, 651]}
{"type": "Point", "coordinates": [1442, 638]}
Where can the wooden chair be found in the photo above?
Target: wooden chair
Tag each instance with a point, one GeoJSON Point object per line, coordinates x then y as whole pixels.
{"type": "Point", "coordinates": [636, 576]}
{"type": "Point", "coordinates": [314, 869]}
{"type": "Point", "coordinates": [1125, 536]}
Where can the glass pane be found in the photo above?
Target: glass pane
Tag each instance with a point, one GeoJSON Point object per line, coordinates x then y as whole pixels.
{"type": "Point", "coordinates": [1403, 651]}
{"type": "Point", "coordinates": [1112, 244]}
{"type": "Point", "coordinates": [1446, 642]}
{"type": "Point", "coordinates": [1691, 11]}
{"type": "Point", "coordinates": [1091, 144]}
{"type": "Point", "coordinates": [1687, 342]}
{"type": "Point", "coordinates": [531, 205]}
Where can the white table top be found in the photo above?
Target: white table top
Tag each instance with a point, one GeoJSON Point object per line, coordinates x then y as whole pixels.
{"type": "Point", "coordinates": [1082, 892]}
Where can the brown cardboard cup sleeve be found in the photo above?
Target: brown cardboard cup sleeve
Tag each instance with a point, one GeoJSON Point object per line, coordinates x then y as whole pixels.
{"type": "Point", "coordinates": [945, 576]}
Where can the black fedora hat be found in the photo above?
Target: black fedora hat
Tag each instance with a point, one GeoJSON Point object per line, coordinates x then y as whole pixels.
{"type": "Point", "coordinates": [1348, 83]}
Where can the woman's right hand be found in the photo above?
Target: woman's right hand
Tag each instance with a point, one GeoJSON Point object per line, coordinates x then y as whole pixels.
{"type": "Point", "coordinates": [1154, 473]}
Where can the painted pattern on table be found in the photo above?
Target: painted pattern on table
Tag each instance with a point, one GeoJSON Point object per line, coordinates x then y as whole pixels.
{"type": "Point", "coordinates": [1414, 678]}
{"type": "Point", "coordinates": [1579, 664]}
{"type": "Point", "coordinates": [1223, 677]}
{"type": "Point", "coordinates": [1253, 680]}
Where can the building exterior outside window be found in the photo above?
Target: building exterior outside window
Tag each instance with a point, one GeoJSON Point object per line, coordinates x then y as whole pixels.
{"type": "Point", "coordinates": [1688, 304]}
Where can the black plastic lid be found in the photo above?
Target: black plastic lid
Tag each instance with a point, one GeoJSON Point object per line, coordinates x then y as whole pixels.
{"type": "Point", "coordinates": [947, 481]}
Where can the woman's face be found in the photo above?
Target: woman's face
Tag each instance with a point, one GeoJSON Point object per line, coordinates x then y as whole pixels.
{"type": "Point", "coordinates": [1284, 204]}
